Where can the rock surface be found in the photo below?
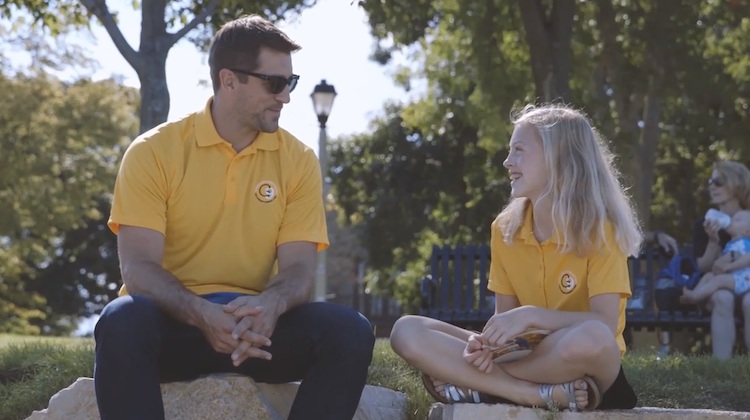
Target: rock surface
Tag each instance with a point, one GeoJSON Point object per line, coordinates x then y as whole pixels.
{"type": "Point", "coordinates": [220, 397]}
{"type": "Point", "coordinates": [504, 411]}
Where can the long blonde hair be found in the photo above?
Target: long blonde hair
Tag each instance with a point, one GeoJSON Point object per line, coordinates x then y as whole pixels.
{"type": "Point", "coordinates": [736, 177]}
{"type": "Point", "coordinates": [583, 185]}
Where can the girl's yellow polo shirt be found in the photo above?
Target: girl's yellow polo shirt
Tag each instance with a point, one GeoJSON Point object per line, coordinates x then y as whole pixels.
{"type": "Point", "coordinates": [540, 275]}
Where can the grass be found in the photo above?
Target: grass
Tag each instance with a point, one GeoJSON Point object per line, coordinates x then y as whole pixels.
{"type": "Point", "coordinates": [32, 370]}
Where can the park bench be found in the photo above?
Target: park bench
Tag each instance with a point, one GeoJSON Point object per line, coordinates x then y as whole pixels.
{"type": "Point", "coordinates": [455, 291]}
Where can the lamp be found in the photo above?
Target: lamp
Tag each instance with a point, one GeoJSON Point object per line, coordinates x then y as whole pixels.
{"type": "Point", "coordinates": [322, 97]}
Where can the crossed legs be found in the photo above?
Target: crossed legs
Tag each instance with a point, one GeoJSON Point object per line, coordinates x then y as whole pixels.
{"type": "Point", "coordinates": [436, 349]}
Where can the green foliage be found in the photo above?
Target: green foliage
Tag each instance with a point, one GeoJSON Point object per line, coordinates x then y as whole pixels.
{"type": "Point", "coordinates": [665, 82]}
{"type": "Point", "coordinates": [31, 373]}
{"type": "Point", "coordinates": [61, 143]}
{"type": "Point", "coordinates": [411, 186]}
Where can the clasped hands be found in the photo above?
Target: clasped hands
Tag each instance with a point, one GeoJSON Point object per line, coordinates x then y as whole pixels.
{"type": "Point", "coordinates": [240, 328]}
{"type": "Point", "coordinates": [498, 330]}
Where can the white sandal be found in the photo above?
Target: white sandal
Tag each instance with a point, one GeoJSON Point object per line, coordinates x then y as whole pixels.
{"type": "Point", "coordinates": [545, 391]}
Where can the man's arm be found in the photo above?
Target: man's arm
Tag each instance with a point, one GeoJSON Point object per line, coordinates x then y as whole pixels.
{"type": "Point", "coordinates": [141, 251]}
{"type": "Point", "coordinates": [291, 287]}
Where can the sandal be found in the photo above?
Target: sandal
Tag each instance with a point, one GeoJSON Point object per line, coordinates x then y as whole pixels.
{"type": "Point", "coordinates": [545, 391]}
{"type": "Point", "coordinates": [455, 394]}
{"type": "Point", "coordinates": [518, 347]}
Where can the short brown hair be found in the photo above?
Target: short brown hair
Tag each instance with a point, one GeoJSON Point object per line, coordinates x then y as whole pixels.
{"type": "Point", "coordinates": [238, 43]}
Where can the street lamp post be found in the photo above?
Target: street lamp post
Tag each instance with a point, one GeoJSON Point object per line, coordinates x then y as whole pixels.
{"type": "Point", "coordinates": [322, 97]}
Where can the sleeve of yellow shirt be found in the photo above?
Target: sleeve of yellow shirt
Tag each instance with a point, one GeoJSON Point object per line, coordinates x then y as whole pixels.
{"type": "Point", "coordinates": [498, 281]}
{"type": "Point", "coordinates": [140, 194]}
{"type": "Point", "coordinates": [304, 218]}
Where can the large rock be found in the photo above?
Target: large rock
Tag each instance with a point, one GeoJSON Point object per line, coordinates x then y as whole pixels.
{"type": "Point", "coordinates": [220, 397]}
{"type": "Point", "coordinates": [505, 411]}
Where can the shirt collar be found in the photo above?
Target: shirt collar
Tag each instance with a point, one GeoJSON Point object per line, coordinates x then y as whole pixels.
{"type": "Point", "coordinates": [527, 229]}
{"type": "Point", "coordinates": [206, 134]}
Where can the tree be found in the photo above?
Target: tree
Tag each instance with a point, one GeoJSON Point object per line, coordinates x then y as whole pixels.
{"type": "Point", "coordinates": [638, 68]}
{"type": "Point", "coordinates": [631, 60]}
{"type": "Point", "coordinates": [163, 24]}
{"type": "Point", "coordinates": [61, 143]}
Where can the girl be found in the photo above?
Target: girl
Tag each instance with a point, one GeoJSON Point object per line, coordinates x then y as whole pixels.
{"type": "Point", "coordinates": [559, 263]}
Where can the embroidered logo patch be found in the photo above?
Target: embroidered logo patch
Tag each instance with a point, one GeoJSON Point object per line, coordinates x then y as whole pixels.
{"type": "Point", "coordinates": [567, 282]}
{"type": "Point", "coordinates": [266, 191]}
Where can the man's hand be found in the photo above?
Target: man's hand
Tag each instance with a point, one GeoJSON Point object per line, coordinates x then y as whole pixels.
{"type": "Point", "coordinates": [257, 317]}
{"type": "Point", "coordinates": [217, 326]}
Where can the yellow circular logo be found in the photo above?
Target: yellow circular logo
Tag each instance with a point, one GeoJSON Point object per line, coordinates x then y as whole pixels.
{"type": "Point", "coordinates": [266, 191]}
{"type": "Point", "coordinates": [567, 283]}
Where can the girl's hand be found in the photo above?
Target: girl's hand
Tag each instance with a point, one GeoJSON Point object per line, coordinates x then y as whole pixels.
{"type": "Point", "coordinates": [476, 355]}
{"type": "Point", "coordinates": [503, 327]}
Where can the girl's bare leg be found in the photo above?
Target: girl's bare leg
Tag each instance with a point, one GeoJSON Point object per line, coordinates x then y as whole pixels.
{"type": "Point", "coordinates": [588, 348]}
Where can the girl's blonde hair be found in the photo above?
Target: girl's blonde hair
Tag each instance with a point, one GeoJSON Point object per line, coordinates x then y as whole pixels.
{"type": "Point", "coordinates": [583, 184]}
{"type": "Point", "coordinates": [736, 177]}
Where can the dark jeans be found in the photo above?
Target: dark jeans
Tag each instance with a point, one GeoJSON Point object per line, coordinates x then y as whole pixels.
{"type": "Point", "coordinates": [327, 346]}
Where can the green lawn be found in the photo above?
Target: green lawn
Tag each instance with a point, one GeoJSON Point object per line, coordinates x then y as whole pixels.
{"type": "Point", "coordinates": [33, 369]}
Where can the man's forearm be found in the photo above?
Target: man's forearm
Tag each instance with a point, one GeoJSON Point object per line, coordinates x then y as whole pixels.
{"type": "Point", "coordinates": [290, 287]}
{"type": "Point", "coordinates": [153, 281]}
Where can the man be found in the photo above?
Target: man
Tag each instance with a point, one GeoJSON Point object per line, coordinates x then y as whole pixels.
{"type": "Point", "coordinates": [219, 216]}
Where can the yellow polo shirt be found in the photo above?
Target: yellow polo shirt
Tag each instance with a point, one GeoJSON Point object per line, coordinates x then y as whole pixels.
{"type": "Point", "coordinates": [222, 213]}
{"type": "Point", "coordinates": [539, 275]}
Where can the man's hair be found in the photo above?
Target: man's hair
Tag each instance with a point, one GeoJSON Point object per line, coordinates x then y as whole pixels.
{"type": "Point", "coordinates": [238, 43]}
{"type": "Point", "coordinates": [736, 177]}
{"type": "Point", "coordinates": [584, 185]}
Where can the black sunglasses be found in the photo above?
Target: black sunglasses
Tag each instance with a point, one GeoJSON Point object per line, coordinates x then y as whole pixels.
{"type": "Point", "coordinates": [275, 84]}
{"type": "Point", "coordinates": [716, 182]}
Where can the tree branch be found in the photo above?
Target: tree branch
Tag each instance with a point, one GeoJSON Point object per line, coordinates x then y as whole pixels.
{"type": "Point", "coordinates": [99, 9]}
{"type": "Point", "coordinates": [197, 20]}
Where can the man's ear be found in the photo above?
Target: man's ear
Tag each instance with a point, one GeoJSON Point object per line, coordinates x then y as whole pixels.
{"type": "Point", "coordinates": [227, 78]}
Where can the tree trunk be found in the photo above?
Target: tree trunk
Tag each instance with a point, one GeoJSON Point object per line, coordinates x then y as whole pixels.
{"type": "Point", "coordinates": [549, 40]}
{"type": "Point", "coordinates": [644, 160]}
{"type": "Point", "coordinates": [154, 91]}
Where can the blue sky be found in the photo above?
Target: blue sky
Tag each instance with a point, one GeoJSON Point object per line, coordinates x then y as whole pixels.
{"type": "Point", "coordinates": [336, 43]}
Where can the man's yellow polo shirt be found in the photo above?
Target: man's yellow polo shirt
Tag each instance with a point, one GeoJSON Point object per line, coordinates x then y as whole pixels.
{"type": "Point", "coordinates": [540, 275]}
{"type": "Point", "coordinates": [222, 213]}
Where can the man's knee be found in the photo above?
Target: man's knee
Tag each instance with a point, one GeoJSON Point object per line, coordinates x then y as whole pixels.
{"type": "Point", "coordinates": [127, 317]}
{"type": "Point", "coordinates": [349, 330]}
{"type": "Point", "coordinates": [723, 302]}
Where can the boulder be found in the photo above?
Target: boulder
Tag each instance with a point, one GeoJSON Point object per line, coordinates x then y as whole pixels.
{"type": "Point", "coordinates": [220, 397]}
{"type": "Point", "coordinates": [506, 411]}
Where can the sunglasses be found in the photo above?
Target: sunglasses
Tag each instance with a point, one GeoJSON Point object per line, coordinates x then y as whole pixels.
{"type": "Point", "coordinates": [716, 182]}
{"type": "Point", "coordinates": [274, 84]}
